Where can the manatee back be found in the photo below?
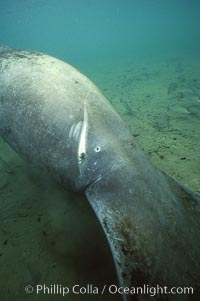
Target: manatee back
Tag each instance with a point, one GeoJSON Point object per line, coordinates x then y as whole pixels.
{"type": "Point", "coordinates": [42, 103]}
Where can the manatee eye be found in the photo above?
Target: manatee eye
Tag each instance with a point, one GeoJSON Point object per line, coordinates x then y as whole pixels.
{"type": "Point", "coordinates": [97, 149]}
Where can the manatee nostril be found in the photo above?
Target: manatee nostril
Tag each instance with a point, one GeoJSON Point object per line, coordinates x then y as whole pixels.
{"type": "Point", "coordinates": [97, 149]}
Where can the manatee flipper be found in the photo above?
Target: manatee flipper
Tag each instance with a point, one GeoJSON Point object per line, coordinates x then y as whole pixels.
{"type": "Point", "coordinates": [152, 224]}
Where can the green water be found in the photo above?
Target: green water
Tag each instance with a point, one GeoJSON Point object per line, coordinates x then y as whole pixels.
{"type": "Point", "coordinates": [145, 57]}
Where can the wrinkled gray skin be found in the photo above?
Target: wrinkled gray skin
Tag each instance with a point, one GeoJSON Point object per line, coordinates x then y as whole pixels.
{"type": "Point", "coordinates": [56, 118]}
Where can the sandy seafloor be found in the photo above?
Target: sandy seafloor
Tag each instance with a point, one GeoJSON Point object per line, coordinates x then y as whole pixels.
{"type": "Point", "coordinates": [50, 235]}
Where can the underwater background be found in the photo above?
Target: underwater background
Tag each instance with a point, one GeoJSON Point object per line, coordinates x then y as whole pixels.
{"type": "Point", "coordinates": [145, 57]}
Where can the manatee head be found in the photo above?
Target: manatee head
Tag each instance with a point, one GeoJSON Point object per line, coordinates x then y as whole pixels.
{"type": "Point", "coordinates": [91, 160]}
{"type": "Point", "coordinates": [98, 150]}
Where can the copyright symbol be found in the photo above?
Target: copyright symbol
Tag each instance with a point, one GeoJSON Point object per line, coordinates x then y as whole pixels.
{"type": "Point", "coordinates": [28, 289]}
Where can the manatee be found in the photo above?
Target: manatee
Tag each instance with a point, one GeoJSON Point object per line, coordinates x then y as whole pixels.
{"type": "Point", "coordinates": [57, 119]}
